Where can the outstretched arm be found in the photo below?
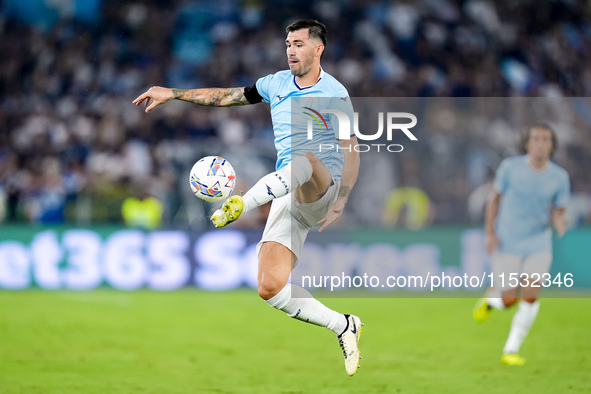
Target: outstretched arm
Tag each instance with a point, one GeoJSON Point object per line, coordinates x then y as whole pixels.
{"type": "Point", "coordinates": [348, 179]}
{"type": "Point", "coordinates": [218, 97]}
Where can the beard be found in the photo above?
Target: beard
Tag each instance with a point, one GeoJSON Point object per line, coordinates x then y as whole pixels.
{"type": "Point", "coordinates": [300, 68]}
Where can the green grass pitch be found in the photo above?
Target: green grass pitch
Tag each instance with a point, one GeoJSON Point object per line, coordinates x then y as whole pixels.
{"type": "Point", "coordinates": [191, 341]}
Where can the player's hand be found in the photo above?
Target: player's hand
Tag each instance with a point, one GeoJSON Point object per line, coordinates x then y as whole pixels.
{"type": "Point", "coordinates": [560, 228]}
{"type": "Point", "coordinates": [155, 96]}
{"type": "Point", "coordinates": [492, 242]}
{"type": "Point", "coordinates": [559, 221]}
{"type": "Point", "coordinates": [333, 214]}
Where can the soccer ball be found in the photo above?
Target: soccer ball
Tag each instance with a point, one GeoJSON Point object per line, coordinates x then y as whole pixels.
{"type": "Point", "coordinates": [212, 178]}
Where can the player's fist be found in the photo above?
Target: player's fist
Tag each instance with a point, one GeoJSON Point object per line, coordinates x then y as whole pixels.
{"type": "Point", "coordinates": [155, 96]}
{"type": "Point", "coordinates": [559, 221]}
{"type": "Point", "coordinates": [561, 230]}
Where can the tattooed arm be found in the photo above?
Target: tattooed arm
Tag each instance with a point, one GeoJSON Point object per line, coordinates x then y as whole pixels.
{"type": "Point", "coordinates": [348, 179]}
{"type": "Point", "coordinates": [218, 97]}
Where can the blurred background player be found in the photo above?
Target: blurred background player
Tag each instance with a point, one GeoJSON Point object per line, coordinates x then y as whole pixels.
{"type": "Point", "coordinates": [530, 192]}
{"type": "Point", "coordinates": [306, 191]}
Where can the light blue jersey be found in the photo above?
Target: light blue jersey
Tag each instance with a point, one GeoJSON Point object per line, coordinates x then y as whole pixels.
{"type": "Point", "coordinates": [523, 223]}
{"type": "Point", "coordinates": [278, 90]}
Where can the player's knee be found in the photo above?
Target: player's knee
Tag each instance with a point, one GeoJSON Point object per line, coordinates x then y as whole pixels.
{"type": "Point", "coordinates": [509, 301]}
{"type": "Point", "coordinates": [270, 287]}
{"type": "Point", "coordinates": [311, 158]}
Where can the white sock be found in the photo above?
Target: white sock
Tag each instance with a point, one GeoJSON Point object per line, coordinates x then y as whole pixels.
{"type": "Point", "coordinates": [522, 322]}
{"type": "Point", "coordinates": [279, 183]}
{"type": "Point", "coordinates": [307, 308]}
{"type": "Point", "coordinates": [495, 298]}
{"type": "Point", "coordinates": [496, 302]}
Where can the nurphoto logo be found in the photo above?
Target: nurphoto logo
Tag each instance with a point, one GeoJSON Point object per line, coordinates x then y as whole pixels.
{"type": "Point", "coordinates": [344, 129]}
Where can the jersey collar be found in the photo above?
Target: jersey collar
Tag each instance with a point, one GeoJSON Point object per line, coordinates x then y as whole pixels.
{"type": "Point", "coordinates": [308, 87]}
{"type": "Point", "coordinates": [534, 169]}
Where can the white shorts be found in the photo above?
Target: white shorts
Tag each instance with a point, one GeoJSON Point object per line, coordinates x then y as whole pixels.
{"type": "Point", "coordinates": [289, 221]}
{"type": "Point", "coordinates": [510, 266]}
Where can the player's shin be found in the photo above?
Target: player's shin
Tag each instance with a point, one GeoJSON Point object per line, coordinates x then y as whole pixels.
{"type": "Point", "coordinates": [279, 183]}
{"type": "Point", "coordinates": [304, 307]}
{"type": "Point", "coordinates": [520, 326]}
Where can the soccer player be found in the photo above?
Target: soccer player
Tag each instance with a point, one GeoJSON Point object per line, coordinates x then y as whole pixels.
{"type": "Point", "coordinates": [530, 191]}
{"type": "Point", "coordinates": [310, 190]}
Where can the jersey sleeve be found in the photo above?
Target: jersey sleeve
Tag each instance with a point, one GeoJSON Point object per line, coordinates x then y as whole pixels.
{"type": "Point", "coordinates": [502, 177]}
{"type": "Point", "coordinates": [264, 86]}
{"type": "Point", "coordinates": [563, 195]}
{"type": "Point", "coordinates": [342, 102]}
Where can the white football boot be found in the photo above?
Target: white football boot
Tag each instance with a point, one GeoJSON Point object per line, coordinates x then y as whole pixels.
{"type": "Point", "coordinates": [349, 341]}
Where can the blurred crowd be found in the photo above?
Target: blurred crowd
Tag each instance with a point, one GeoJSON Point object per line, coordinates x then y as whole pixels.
{"type": "Point", "coordinates": [73, 147]}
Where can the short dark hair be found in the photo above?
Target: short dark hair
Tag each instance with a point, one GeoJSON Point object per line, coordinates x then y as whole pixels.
{"type": "Point", "coordinates": [315, 29]}
{"type": "Point", "coordinates": [527, 133]}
